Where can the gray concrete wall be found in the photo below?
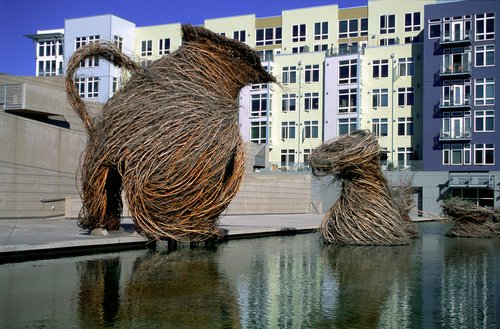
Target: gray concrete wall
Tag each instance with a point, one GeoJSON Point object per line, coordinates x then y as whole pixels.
{"type": "Point", "coordinates": [37, 162]}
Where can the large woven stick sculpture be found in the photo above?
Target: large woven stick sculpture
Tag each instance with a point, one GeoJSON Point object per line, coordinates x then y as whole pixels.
{"type": "Point", "coordinates": [169, 139]}
{"type": "Point", "coordinates": [364, 213]}
{"type": "Point", "coordinates": [469, 219]}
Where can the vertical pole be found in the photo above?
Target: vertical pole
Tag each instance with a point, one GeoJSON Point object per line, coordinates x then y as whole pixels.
{"type": "Point", "coordinates": [392, 108]}
{"type": "Point", "coordinates": [299, 96]}
{"type": "Point", "coordinates": [268, 105]}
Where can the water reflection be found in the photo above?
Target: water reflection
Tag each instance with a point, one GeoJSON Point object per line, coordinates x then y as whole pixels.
{"type": "Point", "coordinates": [183, 289]}
{"type": "Point", "coordinates": [99, 295]}
{"type": "Point", "coordinates": [277, 282]}
{"type": "Point", "coordinates": [373, 286]}
{"type": "Point", "coordinates": [468, 284]}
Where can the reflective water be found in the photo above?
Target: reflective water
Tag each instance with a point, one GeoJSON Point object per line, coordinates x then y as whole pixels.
{"type": "Point", "coordinates": [277, 282]}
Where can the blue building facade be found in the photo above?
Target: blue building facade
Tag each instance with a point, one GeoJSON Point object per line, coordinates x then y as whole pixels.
{"type": "Point", "coordinates": [97, 80]}
{"type": "Point", "coordinates": [461, 122]}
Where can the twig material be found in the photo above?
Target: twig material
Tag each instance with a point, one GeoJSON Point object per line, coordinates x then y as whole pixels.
{"type": "Point", "coordinates": [169, 139]}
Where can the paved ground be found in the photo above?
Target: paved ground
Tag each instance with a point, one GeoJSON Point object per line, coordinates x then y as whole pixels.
{"type": "Point", "coordinates": [23, 239]}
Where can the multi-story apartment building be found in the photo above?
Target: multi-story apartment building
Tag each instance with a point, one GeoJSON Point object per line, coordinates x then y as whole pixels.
{"type": "Point", "coordinates": [423, 81]}
{"type": "Point", "coordinates": [461, 82]}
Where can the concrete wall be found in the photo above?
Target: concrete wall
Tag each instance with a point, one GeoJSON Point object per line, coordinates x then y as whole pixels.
{"type": "Point", "coordinates": [38, 164]}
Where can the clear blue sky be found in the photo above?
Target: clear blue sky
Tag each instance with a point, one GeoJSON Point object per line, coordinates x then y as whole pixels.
{"type": "Point", "coordinates": [21, 17]}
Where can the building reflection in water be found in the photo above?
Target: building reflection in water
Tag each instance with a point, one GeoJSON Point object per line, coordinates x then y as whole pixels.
{"type": "Point", "coordinates": [468, 284]}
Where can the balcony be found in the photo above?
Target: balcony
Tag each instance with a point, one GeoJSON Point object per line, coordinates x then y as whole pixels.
{"type": "Point", "coordinates": [456, 70]}
{"type": "Point", "coordinates": [471, 179]}
{"type": "Point", "coordinates": [459, 135]}
{"type": "Point", "coordinates": [459, 37]}
{"type": "Point", "coordinates": [455, 103]}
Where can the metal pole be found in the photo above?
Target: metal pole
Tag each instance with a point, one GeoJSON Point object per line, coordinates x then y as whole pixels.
{"type": "Point", "coordinates": [268, 107]}
{"type": "Point", "coordinates": [392, 107]}
{"type": "Point", "coordinates": [299, 109]}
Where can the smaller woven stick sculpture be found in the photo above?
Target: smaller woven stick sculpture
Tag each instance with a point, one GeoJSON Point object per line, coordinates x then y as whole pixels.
{"type": "Point", "coordinates": [364, 213]}
{"type": "Point", "coordinates": [469, 219]}
{"type": "Point", "coordinates": [169, 139]}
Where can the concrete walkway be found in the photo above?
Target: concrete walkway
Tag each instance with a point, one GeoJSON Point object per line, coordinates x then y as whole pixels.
{"type": "Point", "coordinates": [24, 239]}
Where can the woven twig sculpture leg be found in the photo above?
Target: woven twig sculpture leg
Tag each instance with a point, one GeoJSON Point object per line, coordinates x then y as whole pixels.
{"type": "Point", "coordinates": [365, 213]}
{"type": "Point", "coordinates": [169, 139]}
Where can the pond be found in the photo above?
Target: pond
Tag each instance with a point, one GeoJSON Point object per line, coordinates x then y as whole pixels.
{"type": "Point", "coordinates": [274, 282]}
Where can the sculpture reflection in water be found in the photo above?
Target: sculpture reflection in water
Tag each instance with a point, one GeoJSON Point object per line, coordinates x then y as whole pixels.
{"type": "Point", "coordinates": [374, 286]}
{"type": "Point", "coordinates": [99, 294]}
{"type": "Point", "coordinates": [468, 284]}
{"type": "Point", "coordinates": [183, 289]}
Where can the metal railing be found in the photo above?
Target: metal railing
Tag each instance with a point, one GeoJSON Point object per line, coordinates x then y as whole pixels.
{"type": "Point", "coordinates": [12, 96]}
{"type": "Point", "coordinates": [462, 134]}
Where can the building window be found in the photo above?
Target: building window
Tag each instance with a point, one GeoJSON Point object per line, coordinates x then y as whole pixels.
{"type": "Point", "coordinates": [323, 47]}
{"type": "Point", "coordinates": [298, 50]}
{"type": "Point", "coordinates": [311, 101]}
{"type": "Point", "coordinates": [387, 24]}
{"type": "Point", "coordinates": [412, 22]}
{"type": "Point", "coordinates": [289, 75]}
{"type": "Point", "coordinates": [485, 55]}
{"type": "Point", "coordinates": [287, 157]}
{"type": "Point", "coordinates": [299, 33]}
{"type": "Point", "coordinates": [456, 94]}
{"type": "Point", "coordinates": [406, 96]}
{"type": "Point", "coordinates": [164, 46]}
{"type": "Point", "coordinates": [259, 105]}
{"type": "Point", "coordinates": [147, 48]}
{"type": "Point", "coordinates": [406, 126]}
{"type": "Point", "coordinates": [380, 98]}
{"type": "Point", "coordinates": [380, 126]}
{"type": "Point", "coordinates": [456, 127]}
{"type": "Point", "coordinates": [114, 85]}
{"type": "Point", "coordinates": [388, 41]}
{"type": "Point", "coordinates": [485, 26]}
{"type": "Point", "coordinates": [347, 126]}
{"type": "Point", "coordinates": [484, 121]}
{"type": "Point", "coordinates": [82, 41]}
{"type": "Point", "coordinates": [239, 35]}
{"type": "Point", "coordinates": [351, 28]}
{"type": "Point", "coordinates": [118, 42]}
{"type": "Point", "coordinates": [405, 156]}
{"type": "Point", "coordinates": [348, 71]}
{"type": "Point", "coordinates": [321, 31]}
{"type": "Point", "coordinates": [47, 68]}
{"type": "Point", "coordinates": [456, 154]}
{"type": "Point", "coordinates": [406, 66]}
{"type": "Point", "coordinates": [88, 87]}
{"type": "Point", "coordinates": [485, 91]}
{"type": "Point", "coordinates": [311, 73]}
{"type": "Point", "coordinates": [265, 55]}
{"type": "Point", "coordinates": [348, 100]}
{"type": "Point", "coordinates": [288, 129]}
{"type": "Point", "coordinates": [484, 154]}
{"type": "Point", "coordinates": [413, 39]}
{"type": "Point", "coordinates": [258, 132]}
{"type": "Point", "coordinates": [288, 102]}
{"type": "Point", "coordinates": [268, 36]}
{"type": "Point", "coordinates": [311, 129]}
{"type": "Point", "coordinates": [380, 68]}
{"type": "Point", "coordinates": [434, 28]}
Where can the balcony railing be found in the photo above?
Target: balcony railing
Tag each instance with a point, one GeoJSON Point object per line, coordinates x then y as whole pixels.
{"type": "Point", "coordinates": [471, 179]}
{"type": "Point", "coordinates": [456, 70]}
{"type": "Point", "coordinates": [449, 103]}
{"type": "Point", "coordinates": [455, 135]}
{"type": "Point", "coordinates": [459, 37]}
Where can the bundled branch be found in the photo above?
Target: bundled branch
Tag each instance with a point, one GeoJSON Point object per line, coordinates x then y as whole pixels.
{"type": "Point", "coordinates": [469, 219]}
{"type": "Point", "coordinates": [365, 212]}
{"type": "Point", "coordinates": [169, 139]}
